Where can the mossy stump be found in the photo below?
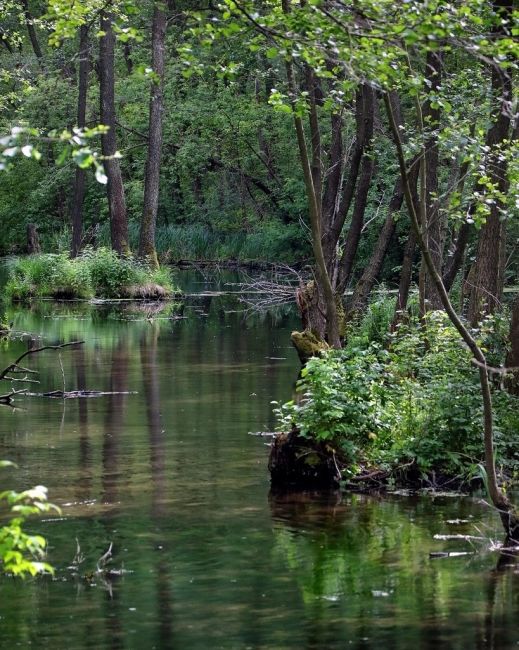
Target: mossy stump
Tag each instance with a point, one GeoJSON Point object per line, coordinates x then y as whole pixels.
{"type": "Point", "coordinates": [308, 345]}
{"type": "Point", "coordinates": [302, 464]}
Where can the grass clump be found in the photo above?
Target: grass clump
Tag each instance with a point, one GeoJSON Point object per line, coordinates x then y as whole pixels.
{"type": "Point", "coordinates": [97, 273]}
{"type": "Point", "coordinates": [410, 400]}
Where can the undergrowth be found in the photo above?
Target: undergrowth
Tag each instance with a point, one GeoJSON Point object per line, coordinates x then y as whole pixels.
{"type": "Point", "coordinates": [95, 273]}
{"type": "Point", "coordinates": [411, 398]}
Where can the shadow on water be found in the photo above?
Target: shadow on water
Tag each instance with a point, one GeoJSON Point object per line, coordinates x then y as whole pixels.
{"type": "Point", "coordinates": [169, 475]}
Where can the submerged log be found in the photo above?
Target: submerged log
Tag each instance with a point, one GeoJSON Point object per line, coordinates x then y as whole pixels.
{"type": "Point", "coordinates": [301, 463]}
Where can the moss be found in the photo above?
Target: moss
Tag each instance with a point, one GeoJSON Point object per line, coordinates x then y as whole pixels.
{"type": "Point", "coordinates": [308, 344]}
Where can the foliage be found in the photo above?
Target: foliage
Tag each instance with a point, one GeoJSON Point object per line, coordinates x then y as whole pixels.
{"type": "Point", "coordinates": [416, 399]}
{"type": "Point", "coordinates": [100, 273]}
{"type": "Point", "coordinates": [23, 554]}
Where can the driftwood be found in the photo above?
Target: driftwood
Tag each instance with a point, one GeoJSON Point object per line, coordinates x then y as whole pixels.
{"type": "Point", "coordinates": [16, 369]}
{"type": "Point", "coordinates": [74, 394]}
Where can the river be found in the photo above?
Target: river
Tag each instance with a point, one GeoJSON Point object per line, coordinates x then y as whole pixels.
{"type": "Point", "coordinates": [167, 472]}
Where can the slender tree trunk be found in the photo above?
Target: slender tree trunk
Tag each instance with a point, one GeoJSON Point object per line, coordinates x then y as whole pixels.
{"type": "Point", "coordinates": [434, 226]}
{"type": "Point", "coordinates": [487, 289]}
{"type": "Point", "coordinates": [406, 277]}
{"type": "Point", "coordinates": [458, 255]}
{"type": "Point", "coordinates": [314, 204]}
{"type": "Point", "coordinates": [115, 187]}
{"type": "Point", "coordinates": [364, 286]}
{"type": "Point", "coordinates": [152, 177]}
{"type": "Point", "coordinates": [345, 265]}
{"type": "Point", "coordinates": [334, 224]}
{"type": "Point", "coordinates": [29, 21]}
{"type": "Point", "coordinates": [512, 359]}
{"type": "Point", "coordinates": [506, 511]}
{"type": "Point", "coordinates": [80, 179]}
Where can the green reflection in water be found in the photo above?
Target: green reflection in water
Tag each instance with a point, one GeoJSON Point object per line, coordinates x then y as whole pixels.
{"type": "Point", "coordinates": [170, 476]}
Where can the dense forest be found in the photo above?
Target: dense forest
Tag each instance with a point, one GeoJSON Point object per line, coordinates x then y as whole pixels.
{"type": "Point", "coordinates": [363, 155]}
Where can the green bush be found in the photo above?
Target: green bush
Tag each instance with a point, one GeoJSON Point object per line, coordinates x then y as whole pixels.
{"type": "Point", "coordinates": [416, 399]}
{"type": "Point", "coordinates": [100, 273]}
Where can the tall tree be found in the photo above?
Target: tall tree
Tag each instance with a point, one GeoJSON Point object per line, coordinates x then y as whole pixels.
{"type": "Point", "coordinates": [152, 177]}
{"type": "Point", "coordinates": [80, 178]}
{"type": "Point", "coordinates": [115, 187]}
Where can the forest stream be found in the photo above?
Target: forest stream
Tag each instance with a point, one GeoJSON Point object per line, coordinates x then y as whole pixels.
{"type": "Point", "coordinates": [203, 555]}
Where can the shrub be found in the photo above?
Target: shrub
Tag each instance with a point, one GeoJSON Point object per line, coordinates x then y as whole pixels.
{"type": "Point", "coordinates": [418, 400]}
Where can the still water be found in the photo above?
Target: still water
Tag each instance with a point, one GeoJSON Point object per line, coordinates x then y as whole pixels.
{"type": "Point", "coordinates": [171, 477]}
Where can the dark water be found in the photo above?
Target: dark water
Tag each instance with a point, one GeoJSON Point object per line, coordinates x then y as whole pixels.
{"type": "Point", "coordinates": [172, 478]}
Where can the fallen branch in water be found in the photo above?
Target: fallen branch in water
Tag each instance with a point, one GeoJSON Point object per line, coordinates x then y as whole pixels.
{"type": "Point", "coordinates": [16, 369]}
{"type": "Point", "coordinates": [74, 394]}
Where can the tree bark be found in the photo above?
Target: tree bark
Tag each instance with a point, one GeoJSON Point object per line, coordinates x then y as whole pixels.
{"type": "Point", "coordinates": [115, 187]}
{"type": "Point", "coordinates": [152, 178]}
{"type": "Point", "coordinates": [80, 179]}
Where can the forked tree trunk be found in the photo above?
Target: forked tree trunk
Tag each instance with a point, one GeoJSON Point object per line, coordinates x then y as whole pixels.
{"type": "Point", "coordinates": [151, 181]}
{"type": "Point", "coordinates": [80, 179]}
{"type": "Point", "coordinates": [115, 187]}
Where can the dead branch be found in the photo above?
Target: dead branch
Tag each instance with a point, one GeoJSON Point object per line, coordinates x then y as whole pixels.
{"type": "Point", "coordinates": [15, 367]}
{"type": "Point", "coordinates": [106, 557]}
{"type": "Point", "coordinates": [261, 294]}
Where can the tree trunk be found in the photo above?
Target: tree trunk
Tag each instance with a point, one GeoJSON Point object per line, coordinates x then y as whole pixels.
{"type": "Point", "coordinates": [512, 359]}
{"type": "Point", "coordinates": [334, 222]}
{"type": "Point", "coordinates": [487, 289]}
{"type": "Point", "coordinates": [29, 21]}
{"type": "Point", "coordinates": [80, 179]}
{"type": "Point", "coordinates": [508, 515]}
{"type": "Point", "coordinates": [33, 240]}
{"type": "Point", "coordinates": [457, 257]}
{"type": "Point", "coordinates": [434, 226]}
{"type": "Point", "coordinates": [364, 286]}
{"type": "Point", "coordinates": [115, 188]}
{"type": "Point", "coordinates": [323, 284]}
{"type": "Point", "coordinates": [151, 182]}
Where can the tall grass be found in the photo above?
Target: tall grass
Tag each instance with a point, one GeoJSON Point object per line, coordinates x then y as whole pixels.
{"type": "Point", "coordinates": [96, 273]}
{"type": "Point", "coordinates": [267, 242]}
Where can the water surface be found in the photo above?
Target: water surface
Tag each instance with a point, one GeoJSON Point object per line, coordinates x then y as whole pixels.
{"type": "Point", "coordinates": [170, 475]}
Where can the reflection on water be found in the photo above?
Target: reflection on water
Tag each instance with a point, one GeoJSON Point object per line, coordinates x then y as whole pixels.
{"type": "Point", "coordinates": [170, 476]}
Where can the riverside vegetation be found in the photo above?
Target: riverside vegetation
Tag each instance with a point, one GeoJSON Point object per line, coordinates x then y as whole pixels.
{"type": "Point", "coordinates": [97, 273]}
{"type": "Point", "coordinates": [402, 407]}
{"type": "Point", "coordinates": [403, 121]}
